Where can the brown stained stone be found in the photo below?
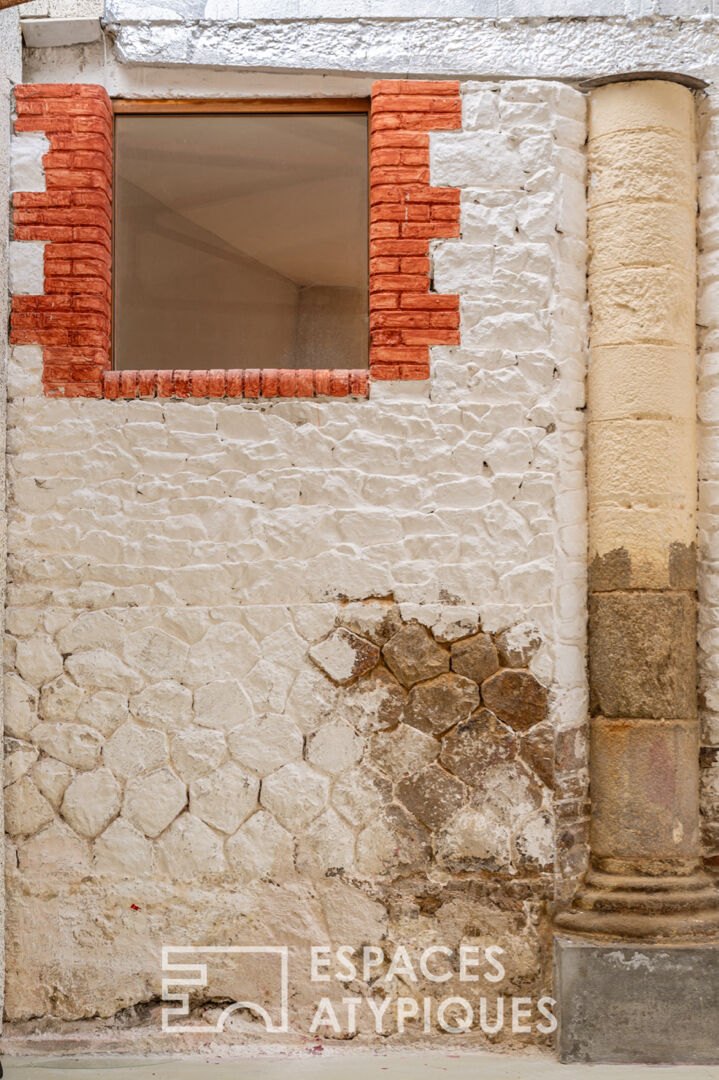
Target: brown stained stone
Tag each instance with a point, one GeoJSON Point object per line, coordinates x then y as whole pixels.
{"type": "Point", "coordinates": [437, 705]}
{"type": "Point", "coordinates": [375, 702]}
{"type": "Point", "coordinates": [393, 843]}
{"type": "Point", "coordinates": [615, 570]}
{"type": "Point", "coordinates": [412, 654]}
{"type": "Point", "coordinates": [517, 645]}
{"type": "Point", "coordinates": [476, 744]}
{"type": "Point", "coordinates": [377, 620]}
{"type": "Point", "coordinates": [402, 751]}
{"type": "Point", "coordinates": [642, 654]}
{"type": "Point", "coordinates": [516, 698]}
{"type": "Point", "coordinates": [343, 656]}
{"type": "Point", "coordinates": [572, 749]}
{"type": "Point", "coordinates": [475, 657]}
{"type": "Point", "coordinates": [432, 795]}
{"type": "Point", "coordinates": [537, 751]}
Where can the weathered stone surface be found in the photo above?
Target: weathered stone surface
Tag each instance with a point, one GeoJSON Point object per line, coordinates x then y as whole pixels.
{"type": "Point", "coordinates": [74, 744]}
{"type": "Point", "coordinates": [454, 623]}
{"type": "Point", "coordinates": [51, 778]}
{"type": "Point", "coordinates": [152, 802]}
{"type": "Point", "coordinates": [642, 654]}
{"type": "Point", "coordinates": [295, 794]}
{"type": "Point", "coordinates": [435, 706]}
{"type": "Point", "coordinates": [135, 749]}
{"type": "Point", "coordinates": [534, 842]}
{"type": "Point", "coordinates": [475, 657]}
{"type": "Point", "coordinates": [104, 711]}
{"type": "Point", "coordinates": [99, 669]}
{"type": "Point", "coordinates": [19, 759]}
{"type": "Point", "coordinates": [343, 656]}
{"type": "Point", "coordinates": [54, 851]}
{"type": "Point", "coordinates": [91, 801]}
{"type": "Point", "coordinates": [189, 849]}
{"type": "Point", "coordinates": [196, 752]}
{"type": "Point", "coordinates": [433, 795]}
{"type": "Point", "coordinates": [403, 751]}
{"type": "Point", "coordinates": [90, 630]}
{"type": "Point", "coordinates": [516, 698]}
{"type": "Point", "coordinates": [518, 644]}
{"type": "Point", "coordinates": [477, 743]}
{"type": "Point", "coordinates": [60, 699]}
{"type": "Point", "coordinates": [21, 702]}
{"type": "Point", "coordinates": [122, 851]}
{"type": "Point", "coordinates": [155, 653]}
{"type": "Point", "coordinates": [265, 743]}
{"type": "Point", "coordinates": [38, 659]}
{"type": "Point", "coordinates": [326, 845]}
{"type": "Point", "coordinates": [26, 810]}
{"type": "Point", "coordinates": [412, 654]}
{"type": "Point", "coordinates": [166, 704]}
{"type": "Point", "coordinates": [393, 843]}
{"type": "Point", "coordinates": [373, 619]}
{"type": "Point", "coordinates": [536, 747]}
{"type": "Point", "coordinates": [374, 703]}
{"type": "Point", "coordinates": [359, 794]}
{"type": "Point", "coordinates": [260, 848]}
{"type": "Point", "coordinates": [508, 792]}
{"type": "Point", "coordinates": [225, 798]}
{"type": "Point", "coordinates": [222, 705]}
{"type": "Point", "coordinates": [474, 840]}
{"type": "Point", "coordinates": [335, 747]}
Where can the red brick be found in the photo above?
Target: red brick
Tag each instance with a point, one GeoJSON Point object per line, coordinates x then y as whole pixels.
{"type": "Point", "coordinates": [399, 320]}
{"type": "Point", "coordinates": [398, 282]}
{"type": "Point", "coordinates": [382, 229]}
{"type": "Point", "coordinates": [415, 103]}
{"type": "Point", "coordinates": [430, 337]}
{"type": "Point", "coordinates": [146, 383]}
{"type": "Point", "coordinates": [412, 230]}
{"type": "Point", "coordinates": [398, 247]}
{"type": "Point", "coordinates": [322, 382]}
{"type": "Point", "coordinates": [384, 265]}
{"type": "Point", "coordinates": [429, 302]}
{"type": "Point", "coordinates": [216, 382]}
{"type": "Point", "coordinates": [252, 382]}
{"type": "Point", "coordinates": [339, 383]}
{"type": "Point", "coordinates": [383, 301]}
{"type": "Point", "coordinates": [414, 86]}
{"type": "Point", "coordinates": [448, 319]}
{"type": "Point", "coordinates": [305, 386]}
{"type": "Point", "coordinates": [416, 212]}
{"type": "Point", "coordinates": [385, 337]}
{"type": "Point", "coordinates": [164, 383]}
{"type": "Point", "coordinates": [234, 382]}
{"type": "Point", "coordinates": [398, 354]}
{"type": "Point", "coordinates": [399, 174]}
{"type": "Point", "coordinates": [359, 383]}
{"type": "Point", "coordinates": [181, 384]}
{"type": "Point", "coordinates": [417, 139]}
{"type": "Point", "coordinates": [414, 265]}
{"type": "Point", "coordinates": [111, 384]}
{"type": "Point", "coordinates": [384, 371]}
{"type": "Point", "coordinates": [128, 384]}
{"type": "Point", "coordinates": [270, 382]}
{"type": "Point", "coordinates": [199, 384]}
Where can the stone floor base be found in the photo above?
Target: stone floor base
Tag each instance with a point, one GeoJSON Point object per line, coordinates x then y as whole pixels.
{"type": "Point", "coordinates": [650, 1004]}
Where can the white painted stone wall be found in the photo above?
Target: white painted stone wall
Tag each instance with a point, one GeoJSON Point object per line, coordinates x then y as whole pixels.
{"type": "Point", "coordinates": [172, 563]}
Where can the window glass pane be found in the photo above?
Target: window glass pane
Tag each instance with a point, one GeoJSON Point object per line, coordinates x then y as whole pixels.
{"type": "Point", "coordinates": [241, 241]}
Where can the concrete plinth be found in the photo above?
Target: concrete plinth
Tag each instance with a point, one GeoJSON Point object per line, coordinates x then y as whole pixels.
{"type": "Point", "coordinates": [634, 1003]}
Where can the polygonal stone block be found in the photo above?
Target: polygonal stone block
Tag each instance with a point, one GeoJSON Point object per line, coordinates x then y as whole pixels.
{"type": "Point", "coordinates": [374, 703]}
{"type": "Point", "coordinates": [373, 619]}
{"type": "Point", "coordinates": [98, 669]}
{"type": "Point", "coordinates": [412, 654]}
{"type": "Point", "coordinates": [343, 656]}
{"type": "Point", "coordinates": [189, 849]}
{"type": "Point", "coordinates": [225, 798]}
{"type": "Point", "coordinates": [516, 698]}
{"type": "Point", "coordinates": [151, 802]}
{"type": "Point", "coordinates": [91, 802]}
{"type": "Point", "coordinates": [260, 848]}
{"type": "Point", "coordinates": [295, 794]}
{"type": "Point", "coordinates": [359, 794]}
{"type": "Point", "coordinates": [134, 749]}
{"type": "Point", "coordinates": [75, 744]}
{"type": "Point", "coordinates": [156, 653]}
{"type": "Point", "coordinates": [222, 705]}
{"type": "Point", "coordinates": [436, 706]}
{"type": "Point", "coordinates": [196, 752]}
{"type": "Point", "coordinates": [122, 851]}
{"type": "Point", "coordinates": [335, 747]}
{"type": "Point", "coordinates": [475, 657]}
{"type": "Point", "coordinates": [477, 743]}
{"type": "Point", "coordinates": [265, 743]}
{"type": "Point", "coordinates": [105, 711]}
{"type": "Point", "coordinates": [393, 842]}
{"type": "Point", "coordinates": [26, 810]}
{"type": "Point", "coordinates": [474, 840]}
{"type": "Point", "coordinates": [38, 660]}
{"type": "Point", "coordinates": [403, 751]}
{"type": "Point", "coordinates": [166, 704]}
{"type": "Point", "coordinates": [432, 795]}
{"type": "Point", "coordinates": [517, 645]}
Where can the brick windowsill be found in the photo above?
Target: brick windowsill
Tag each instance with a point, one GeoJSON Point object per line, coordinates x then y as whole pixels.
{"type": "Point", "coordinates": [236, 383]}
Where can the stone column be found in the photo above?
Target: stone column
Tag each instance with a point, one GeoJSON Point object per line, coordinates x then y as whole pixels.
{"type": "Point", "coordinates": [645, 880]}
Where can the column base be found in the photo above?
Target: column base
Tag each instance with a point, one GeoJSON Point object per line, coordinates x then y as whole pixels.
{"type": "Point", "coordinates": [671, 907]}
{"type": "Point", "coordinates": [637, 1003]}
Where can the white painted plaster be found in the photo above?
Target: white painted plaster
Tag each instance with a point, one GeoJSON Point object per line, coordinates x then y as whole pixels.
{"type": "Point", "coordinates": [27, 274]}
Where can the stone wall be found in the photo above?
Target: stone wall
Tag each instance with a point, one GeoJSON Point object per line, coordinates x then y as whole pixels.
{"type": "Point", "coordinates": [304, 605]}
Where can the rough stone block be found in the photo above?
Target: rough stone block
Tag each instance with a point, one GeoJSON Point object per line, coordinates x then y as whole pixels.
{"type": "Point", "coordinates": [642, 656]}
{"type": "Point", "coordinates": [412, 655]}
{"type": "Point", "coordinates": [435, 706]}
{"type": "Point", "coordinates": [475, 657]}
{"type": "Point", "coordinates": [648, 1004]}
{"type": "Point", "coordinates": [516, 698]}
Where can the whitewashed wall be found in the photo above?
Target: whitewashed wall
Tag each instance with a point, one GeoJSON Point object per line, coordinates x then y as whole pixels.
{"type": "Point", "coordinates": [202, 543]}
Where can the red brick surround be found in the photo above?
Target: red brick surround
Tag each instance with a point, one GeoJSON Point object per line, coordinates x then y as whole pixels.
{"type": "Point", "coordinates": [72, 319]}
{"type": "Point", "coordinates": [406, 213]}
